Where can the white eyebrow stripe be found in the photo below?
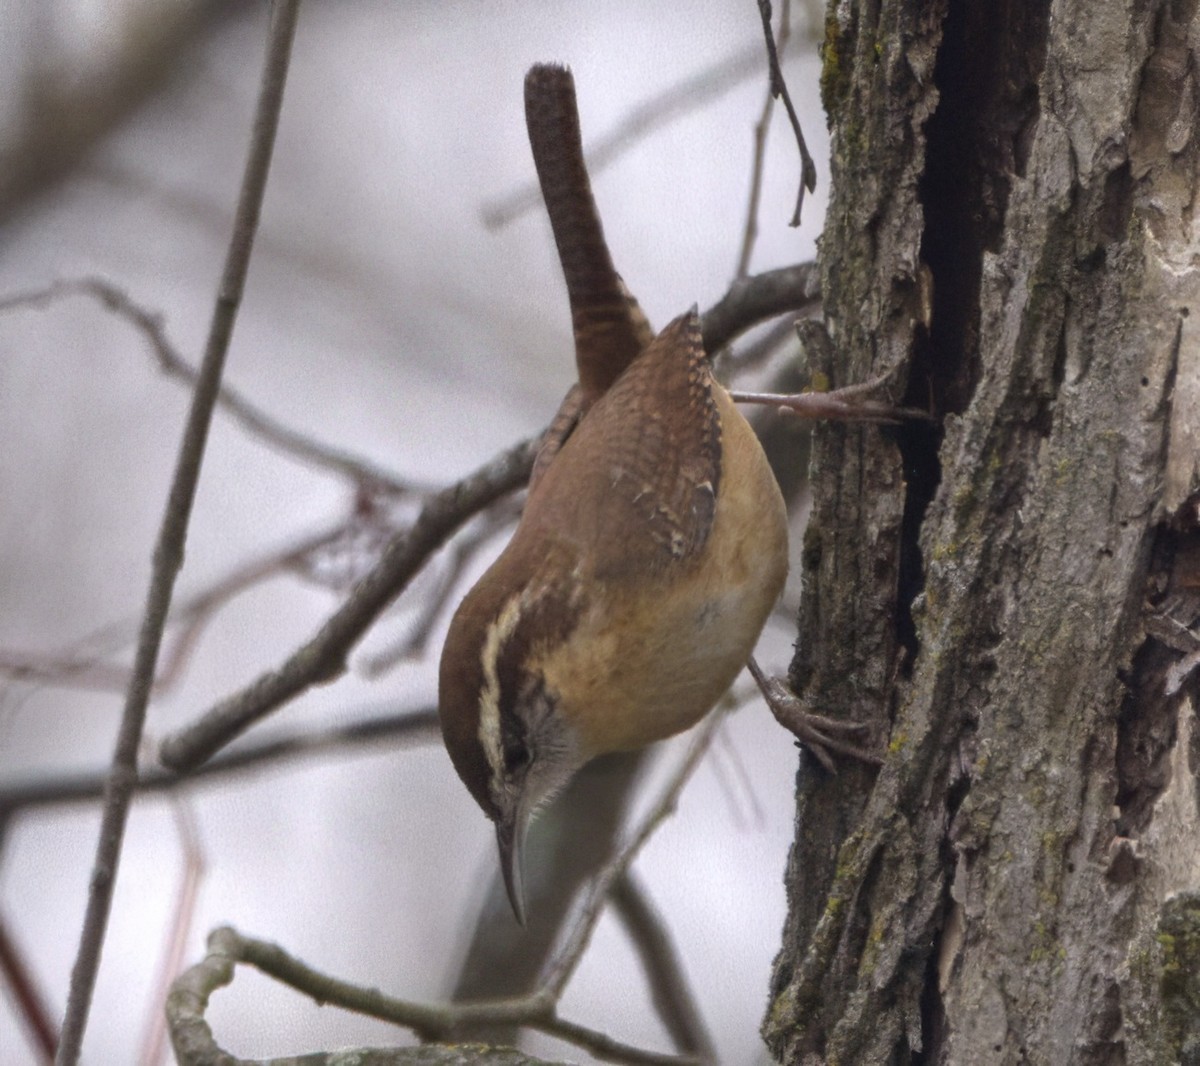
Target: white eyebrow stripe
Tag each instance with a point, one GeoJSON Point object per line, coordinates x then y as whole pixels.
{"type": "Point", "coordinates": [489, 697]}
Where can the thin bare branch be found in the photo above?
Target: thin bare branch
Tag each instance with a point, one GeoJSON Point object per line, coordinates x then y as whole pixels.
{"type": "Point", "coordinates": [808, 169]}
{"type": "Point", "coordinates": [652, 114]}
{"type": "Point", "coordinates": [168, 553]}
{"type": "Point", "coordinates": [606, 1049]}
{"type": "Point", "coordinates": [324, 656]}
{"type": "Point", "coordinates": [251, 418]}
{"type": "Point", "coordinates": [194, 1042]}
{"type": "Point", "coordinates": [758, 160]}
{"type": "Point", "coordinates": [365, 729]}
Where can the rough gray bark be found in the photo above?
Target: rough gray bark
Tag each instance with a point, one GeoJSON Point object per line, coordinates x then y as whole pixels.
{"type": "Point", "coordinates": [1010, 600]}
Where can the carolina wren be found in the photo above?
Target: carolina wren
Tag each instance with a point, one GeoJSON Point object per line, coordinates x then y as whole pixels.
{"type": "Point", "coordinates": [652, 546]}
{"type": "Point", "coordinates": [646, 561]}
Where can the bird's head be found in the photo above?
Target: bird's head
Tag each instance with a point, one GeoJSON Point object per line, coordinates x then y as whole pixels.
{"type": "Point", "coordinates": [503, 725]}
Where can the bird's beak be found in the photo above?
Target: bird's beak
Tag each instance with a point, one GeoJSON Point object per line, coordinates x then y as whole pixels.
{"type": "Point", "coordinates": [510, 835]}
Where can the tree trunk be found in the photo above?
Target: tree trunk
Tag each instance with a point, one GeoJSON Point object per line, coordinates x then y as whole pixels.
{"type": "Point", "coordinates": [1009, 599]}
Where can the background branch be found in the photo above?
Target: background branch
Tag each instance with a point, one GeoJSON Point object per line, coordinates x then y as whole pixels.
{"type": "Point", "coordinates": [758, 157]}
{"type": "Point", "coordinates": [19, 980]}
{"type": "Point", "coordinates": [168, 554]}
{"type": "Point", "coordinates": [673, 999]}
{"type": "Point", "coordinates": [398, 728]}
{"type": "Point", "coordinates": [154, 1043]}
{"type": "Point", "coordinates": [253, 420]}
{"type": "Point", "coordinates": [80, 664]}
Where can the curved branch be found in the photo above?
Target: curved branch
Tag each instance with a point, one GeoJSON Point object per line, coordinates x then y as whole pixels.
{"type": "Point", "coordinates": [756, 299]}
{"type": "Point", "coordinates": [193, 1039]}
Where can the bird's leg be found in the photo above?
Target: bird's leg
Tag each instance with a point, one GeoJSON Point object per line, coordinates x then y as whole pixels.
{"type": "Point", "coordinates": [851, 403]}
{"type": "Point", "coordinates": [848, 404]}
{"type": "Point", "coordinates": [816, 732]}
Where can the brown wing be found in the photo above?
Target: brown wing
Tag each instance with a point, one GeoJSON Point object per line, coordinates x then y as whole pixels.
{"type": "Point", "coordinates": [635, 485]}
{"type": "Point", "coordinates": [610, 329]}
{"type": "Point", "coordinates": [556, 434]}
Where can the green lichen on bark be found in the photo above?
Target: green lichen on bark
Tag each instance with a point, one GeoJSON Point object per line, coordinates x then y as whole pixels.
{"type": "Point", "coordinates": [1179, 976]}
{"type": "Point", "coordinates": [836, 63]}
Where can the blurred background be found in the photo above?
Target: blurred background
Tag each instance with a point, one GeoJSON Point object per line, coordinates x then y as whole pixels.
{"type": "Point", "coordinates": [385, 318]}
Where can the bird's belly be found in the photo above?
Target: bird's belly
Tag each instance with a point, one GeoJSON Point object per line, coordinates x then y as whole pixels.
{"type": "Point", "coordinates": [660, 667]}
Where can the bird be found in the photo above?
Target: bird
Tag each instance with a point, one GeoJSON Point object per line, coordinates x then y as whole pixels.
{"type": "Point", "coordinates": [652, 546]}
{"type": "Point", "coordinates": [644, 565]}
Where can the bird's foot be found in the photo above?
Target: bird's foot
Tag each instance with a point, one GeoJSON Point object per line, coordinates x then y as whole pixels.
{"type": "Point", "coordinates": [820, 735]}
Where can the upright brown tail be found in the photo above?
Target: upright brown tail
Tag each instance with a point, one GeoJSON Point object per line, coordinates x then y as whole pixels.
{"type": "Point", "coordinates": [610, 329]}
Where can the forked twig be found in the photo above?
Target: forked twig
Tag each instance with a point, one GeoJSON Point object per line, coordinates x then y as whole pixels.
{"type": "Point", "coordinates": [779, 89]}
{"type": "Point", "coordinates": [758, 160]}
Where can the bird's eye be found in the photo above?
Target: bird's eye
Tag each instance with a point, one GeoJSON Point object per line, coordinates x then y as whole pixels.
{"type": "Point", "coordinates": [516, 757]}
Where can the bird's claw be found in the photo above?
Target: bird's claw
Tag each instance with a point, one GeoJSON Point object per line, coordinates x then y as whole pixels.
{"type": "Point", "coordinates": [822, 736]}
